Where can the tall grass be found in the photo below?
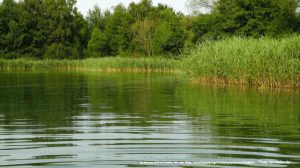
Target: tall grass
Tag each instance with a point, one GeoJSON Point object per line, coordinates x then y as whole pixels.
{"type": "Point", "coordinates": [264, 62]}
{"type": "Point", "coordinates": [97, 64]}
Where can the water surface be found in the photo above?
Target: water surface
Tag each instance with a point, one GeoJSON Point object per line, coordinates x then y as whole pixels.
{"type": "Point", "coordinates": [118, 120]}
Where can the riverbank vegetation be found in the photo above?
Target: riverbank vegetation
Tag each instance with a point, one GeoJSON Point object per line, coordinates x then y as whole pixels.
{"type": "Point", "coordinates": [238, 42]}
{"type": "Point", "coordinates": [264, 62]}
{"type": "Point", "coordinates": [156, 64]}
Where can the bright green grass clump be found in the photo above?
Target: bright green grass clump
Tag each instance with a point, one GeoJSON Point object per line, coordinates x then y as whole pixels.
{"type": "Point", "coordinates": [264, 62]}
{"type": "Point", "coordinates": [97, 64]}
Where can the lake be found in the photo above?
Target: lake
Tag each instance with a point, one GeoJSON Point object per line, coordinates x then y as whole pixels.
{"type": "Point", "coordinates": [118, 120]}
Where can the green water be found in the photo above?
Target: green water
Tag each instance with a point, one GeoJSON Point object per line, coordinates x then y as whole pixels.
{"type": "Point", "coordinates": [117, 120]}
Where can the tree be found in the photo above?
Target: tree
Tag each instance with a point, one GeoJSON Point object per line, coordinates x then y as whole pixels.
{"type": "Point", "coordinates": [247, 18]}
{"type": "Point", "coordinates": [118, 28]}
{"type": "Point", "coordinates": [95, 18]}
{"type": "Point", "coordinates": [61, 51]}
{"type": "Point", "coordinates": [169, 37]}
{"type": "Point", "coordinates": [140, 10]}
{"type": "Point", "coordinates": [112, 29]}
{"type": "Point", "coordinates": [174, 43]}
{"type": "Point", "coordinates": [98, 45]}
{"type": "Point", "coordinates": [257, 18]}
{"type": "Point", "coordinates": [49, 22]}
{"type": "Point", "coordinates": [200, 6]}
{"type": "Point", "coordinates": [11, 29]}
{"type": "Point", "coordinates": [285, 19]}
{"type": "Point", "coordinates": [143, 34]}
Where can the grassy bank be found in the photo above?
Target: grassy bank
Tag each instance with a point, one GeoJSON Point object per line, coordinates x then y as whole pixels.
{"type": "Point", "coordinates": [96, 64]}
{"type": "Point", "coordinates": [263, 62]}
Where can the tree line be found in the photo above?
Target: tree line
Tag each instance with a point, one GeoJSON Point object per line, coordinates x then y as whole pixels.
{"type": "Point", "coordinates": [55, 29]}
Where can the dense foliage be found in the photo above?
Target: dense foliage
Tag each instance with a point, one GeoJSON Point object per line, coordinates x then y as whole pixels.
{"type": "Point", "coordinates": [42, 28]}
{"type": "Point", "coordinates": [263, 62]}
{"type": "Point", "coordinates": [246, 18]}
{"type": "Point", "coordinates": [56, 29]}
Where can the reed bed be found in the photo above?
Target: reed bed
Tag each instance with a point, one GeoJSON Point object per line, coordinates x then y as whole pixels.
{"type": "Point", "coordinates": [265, 62]}
{"type": "Point", "coordinates": [95, 64]}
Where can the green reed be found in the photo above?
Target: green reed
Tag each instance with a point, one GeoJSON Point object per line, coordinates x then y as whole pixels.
{"type": "Point", "coordinates": [264, 62]}
{"type": "Point", "coordinates": [101, 64]}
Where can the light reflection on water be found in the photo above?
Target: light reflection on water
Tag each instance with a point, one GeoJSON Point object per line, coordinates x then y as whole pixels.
{"type": "Point", "coordinates": [57, 119]}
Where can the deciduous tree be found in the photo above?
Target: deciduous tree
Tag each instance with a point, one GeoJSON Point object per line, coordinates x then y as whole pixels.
{"type": "Point", "coordinates": [143, 33]}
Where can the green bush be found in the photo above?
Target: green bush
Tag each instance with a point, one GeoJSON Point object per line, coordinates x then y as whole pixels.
{"type": "Point", "coordinates": [61, 51]}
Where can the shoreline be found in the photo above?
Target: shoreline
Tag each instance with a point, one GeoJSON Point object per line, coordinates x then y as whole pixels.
{"type": "Point", "coordinates": [140, 65]}
{"type": "Point", "coordinates": [260, 84]}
